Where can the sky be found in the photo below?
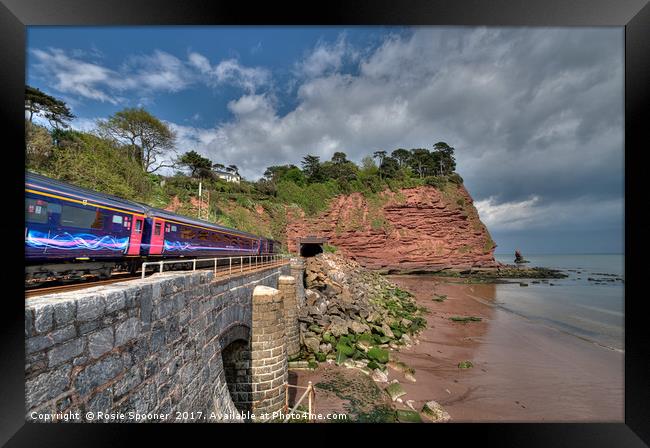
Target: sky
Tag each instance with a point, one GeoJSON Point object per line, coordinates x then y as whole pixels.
{"type": "Point", "coordinates": [535, 114]}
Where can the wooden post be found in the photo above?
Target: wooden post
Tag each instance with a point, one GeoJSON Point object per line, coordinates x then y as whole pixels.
{"type": "Point", "coordinates": [310, 389]}
{"type": "Point", "coordinates": [286, 398]}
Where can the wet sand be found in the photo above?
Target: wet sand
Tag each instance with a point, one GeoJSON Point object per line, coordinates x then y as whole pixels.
{"type": "Point", "coordinates": [522, 370]}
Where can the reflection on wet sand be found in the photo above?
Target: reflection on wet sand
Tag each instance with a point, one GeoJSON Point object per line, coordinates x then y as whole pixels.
{"type": "Point", "coordinates": [522, 370]}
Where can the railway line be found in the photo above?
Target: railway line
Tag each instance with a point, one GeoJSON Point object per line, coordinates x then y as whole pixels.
{"type": "Point", "coordinates": [221, 272]}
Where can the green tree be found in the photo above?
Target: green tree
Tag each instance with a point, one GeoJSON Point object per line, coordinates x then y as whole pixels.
{"type": "Point", "coordinates": [339, 169]}
{"type": "Point", "coordinates": [389, 167]}
{"type": "Point", "coordinates": [421, 161]}
{"type": "Point", "coordinates": [368, 165]}
{"type": "Point", "coordinates": [55, 111]}
{"type": "Point", "coordinates": [312, 169]}
{"type": "Point", "coordinates": [402, 157]}
{"type": "Point", "coordinates": [199, 166]}
{"type": "Point", "coordinates": [380, 156]}
{"type": "Point", "coordinates": [266, 187]}
{"type": "Point", "coordinates": [446, 163]}
{"type": "Point", "coordinates": [295, 175]}
{"type": "Point", "coordinates": [277, 173]}
{"type": "Point", "coordinates": [339, 158]}
{"type": "Point", "coordinates": [148, 138]}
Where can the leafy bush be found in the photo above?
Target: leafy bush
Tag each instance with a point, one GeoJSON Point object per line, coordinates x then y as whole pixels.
{"type": "Point", "coordinates": [455, 178]}
{"type": "Point", "coordinates": [312, 198]}
{"type": "Point", "coordinates": [95, 163]}
{"type": "Point", "coordinates": [438, 182]}
{"type": "Point", "coordinates": [329, 249]}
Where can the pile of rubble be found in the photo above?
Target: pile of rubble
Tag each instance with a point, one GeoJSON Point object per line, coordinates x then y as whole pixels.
{"type": "Point", "coordinates": [353, 316]}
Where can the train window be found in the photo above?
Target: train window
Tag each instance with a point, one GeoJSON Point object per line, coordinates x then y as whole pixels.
{"type": "Point", "coordinates": [81, 217]}
{"type": "Point", "coordinates": [174, 228]}
{"type": "Point", "coordinates": [188, 234]}
{"type": "Point", "coordinates": [157, 228]}
{"type": "Point", "coordinates": [138, 225]}
{"type": "Point", "coordinates": [117, 219]}
{"type": "Point", "coordinates": [36, 211]}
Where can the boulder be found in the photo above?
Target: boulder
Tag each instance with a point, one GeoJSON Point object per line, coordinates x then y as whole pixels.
{"type": "Point", "coordinates": [387, 331]}
{"type": "Point", "coordinates": [406, 416]}
{"type": "Point", "coordinates": [358, 327]}
{"type": "Point", "coordinates": [395, 390]}
{"type": "Point", "coordinates": [349, 363]}
{"type": "Point", "coordinates": [373, 317]}
{"type": "Point", "coordinates": [378, 354]}
{"type": "Point", "coordinates": [311, 296]}
{"type": "Point", "coordinates": [363, 345]}
{"type": "Point", "coordinates": [435, 412]}
{"type": "Point", "coordinates": [312, 344]}
{"type": "Point", "coordinates": [338, 329]}
{"type": "Point", "coordinates": [379, 376]}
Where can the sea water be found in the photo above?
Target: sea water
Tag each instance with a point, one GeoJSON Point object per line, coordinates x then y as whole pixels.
{"type": "Point", "coordinates": [592, 310]}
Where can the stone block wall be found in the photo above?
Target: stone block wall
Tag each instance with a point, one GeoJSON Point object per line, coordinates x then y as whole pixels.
{"type": "Point", "coordinates": [269, 351]}
{"type": "Point", "coordinates": [297, 269]}
{"type": "Point", "coordinates": [149, 346]}
{"type": "Point", "coordinates": [287, 287]}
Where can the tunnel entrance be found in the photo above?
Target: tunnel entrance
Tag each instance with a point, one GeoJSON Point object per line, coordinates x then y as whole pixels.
{"type": "Point", "coordinates": [311, 246]}
{"type": "Point", "coordinates": [237, 368]}
{"type": "Point", "coordinates": [310, 250]}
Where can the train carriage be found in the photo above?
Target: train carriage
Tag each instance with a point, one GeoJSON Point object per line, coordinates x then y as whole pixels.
{"type": "Point", "coordinates": [172, 235]}
{"type": "Point", "coordinates": [64, 223]}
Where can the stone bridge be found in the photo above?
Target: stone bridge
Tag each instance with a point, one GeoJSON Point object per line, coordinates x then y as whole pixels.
{"type": "Point", "coordinates": [174, 344]}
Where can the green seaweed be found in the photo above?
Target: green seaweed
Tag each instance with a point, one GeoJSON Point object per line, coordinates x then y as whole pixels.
{"type": "Point", "coordinates": [465, 319]}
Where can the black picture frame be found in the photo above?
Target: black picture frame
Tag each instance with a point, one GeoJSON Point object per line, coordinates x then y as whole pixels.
{"type": "Point", "coordinates": [634, 15]}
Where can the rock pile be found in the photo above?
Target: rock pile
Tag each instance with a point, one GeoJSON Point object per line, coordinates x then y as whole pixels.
{"type": "Point", "coordinates": [353, 316]}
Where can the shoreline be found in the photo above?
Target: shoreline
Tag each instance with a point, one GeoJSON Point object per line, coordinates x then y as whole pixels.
{"type": "Point", "coordinates": [522, 370]}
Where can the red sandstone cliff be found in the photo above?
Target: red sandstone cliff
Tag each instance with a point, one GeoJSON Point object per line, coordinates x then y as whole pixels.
{"type": "Point", "coordinates": [419, 228]}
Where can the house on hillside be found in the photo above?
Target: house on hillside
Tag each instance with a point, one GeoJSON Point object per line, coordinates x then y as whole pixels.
{"type": "Point", "coordinates": [228, 176]}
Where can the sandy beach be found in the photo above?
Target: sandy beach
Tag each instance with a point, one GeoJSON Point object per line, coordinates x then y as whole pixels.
{"type": "Point", "coordinates": [522, 370]}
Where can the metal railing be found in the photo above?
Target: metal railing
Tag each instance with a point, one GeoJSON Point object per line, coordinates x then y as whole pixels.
{"type": "Point", "coordinates": [243, 263]}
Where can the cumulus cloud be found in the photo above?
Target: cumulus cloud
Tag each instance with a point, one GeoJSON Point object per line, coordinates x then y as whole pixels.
{"type": "Point", "coordinates": [75, 76]}
{"type": "Point", "coordinates": [230, 71]}
{"type": "Point", "coordinates": [141, 76]}
{"type": "Point", "coordinates": [326, 58]}
{"type": "Point", "coordinates": [159, 71]}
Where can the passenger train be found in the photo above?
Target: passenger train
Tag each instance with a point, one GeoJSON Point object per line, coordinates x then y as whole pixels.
{"type": "Point", "coordinates": [72, 231]}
